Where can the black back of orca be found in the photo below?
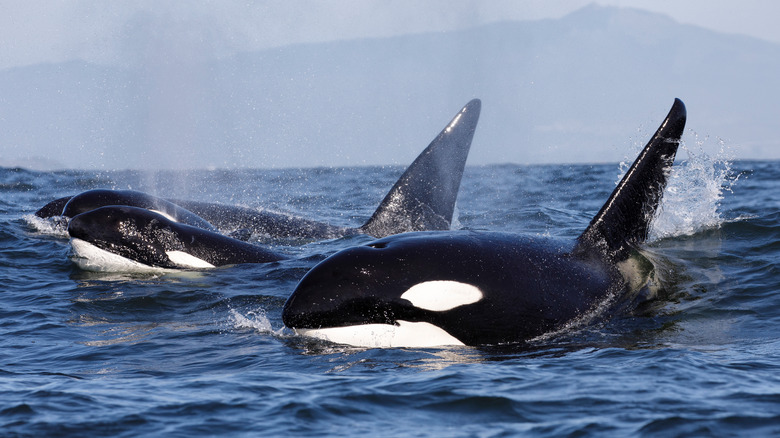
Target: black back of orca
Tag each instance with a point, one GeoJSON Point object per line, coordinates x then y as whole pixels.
{"type": "Point", "coordinates": [93, 199]}
{"type": "Point", "coordinates": [480, 288]}
{"type": "Point", "coordinates": [263, 222]}
{"type": "Point", "coordinates": [423, 198]}
{"type": "Point", "coordinates": [152, 239]}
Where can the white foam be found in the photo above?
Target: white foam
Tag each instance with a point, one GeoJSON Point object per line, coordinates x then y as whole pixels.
{"type": "Point", "coordinates": [694, 190]}
{"type": "Point", "coordinates": [256, 320]}
{"type": "Point", "coordinates": [56, 226]}
{"type": "Point", "coordinates": [404, 334]}
{"type": "Point", "coordinates": [441, 295]}
{"type": "Point", "coordinates": [91, 258]}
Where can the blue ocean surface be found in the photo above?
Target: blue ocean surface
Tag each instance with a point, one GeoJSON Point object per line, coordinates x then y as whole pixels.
{"type": "Point", "coordinates": [204, 353]}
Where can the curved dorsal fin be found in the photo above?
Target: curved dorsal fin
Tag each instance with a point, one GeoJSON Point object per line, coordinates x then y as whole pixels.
{"type": "Point", "coordinates": [625, 218]}
{"type": "Point", "coordinates": [424, 197]}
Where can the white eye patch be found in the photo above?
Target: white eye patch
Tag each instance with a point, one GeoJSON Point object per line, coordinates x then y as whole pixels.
{"type": "Point", "coordinates": [441, 295]}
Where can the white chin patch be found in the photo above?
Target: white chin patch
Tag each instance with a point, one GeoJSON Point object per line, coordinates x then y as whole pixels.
{"type": "Point", "coordinates": [405, 334]}
{"type": "Point", "coordinates": [187, 260]}
{"type": "Point", "coordinates": [91, 258]}
{"type": "Point", "coordinates": [442, 295]}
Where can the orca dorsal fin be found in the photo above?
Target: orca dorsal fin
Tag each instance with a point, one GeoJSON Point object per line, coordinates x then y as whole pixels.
{"type": "Point", "coordinates": [625, 218]}
{"type": "Point", "coordinates": [424, 197]}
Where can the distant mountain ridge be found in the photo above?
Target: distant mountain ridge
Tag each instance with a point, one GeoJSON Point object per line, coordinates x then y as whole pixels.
{"type": "Point", "coordinates": [581, 88]}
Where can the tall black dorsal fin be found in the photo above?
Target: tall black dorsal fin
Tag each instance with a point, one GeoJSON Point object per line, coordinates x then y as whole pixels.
{"type": "Point", "coordinates": [625, 218]}
{"type": "Point", "coordinates": [424, 197]}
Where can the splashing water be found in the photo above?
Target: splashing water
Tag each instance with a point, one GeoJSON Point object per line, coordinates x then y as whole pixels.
{"type": "Point", "coordinates": [693, 194]}
{"type": "Point", "coordinates": [256, 320]}
{"type": "Point", "coordinates": [56, 227]}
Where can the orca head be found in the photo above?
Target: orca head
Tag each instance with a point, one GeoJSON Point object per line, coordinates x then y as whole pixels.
{"type": "Point", "coordinates": [133, 233]}
{"type": "Point", "coordinates": [93, 199]}
{"type": "Point", "coordinates": [430, 288]}
{"type": "Point", "coordinates": [385, 294]}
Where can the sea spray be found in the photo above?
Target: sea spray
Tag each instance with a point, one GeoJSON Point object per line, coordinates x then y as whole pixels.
{"type": "Point", "coordinates": [254, 319]}
{"type": "Point", "coordinates": [694, 190]}
{"type": "Point", "coordinates": [694, 193]}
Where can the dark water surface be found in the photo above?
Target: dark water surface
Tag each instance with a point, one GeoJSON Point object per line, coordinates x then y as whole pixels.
{"type": "Point", "coordinates": [205, 353]}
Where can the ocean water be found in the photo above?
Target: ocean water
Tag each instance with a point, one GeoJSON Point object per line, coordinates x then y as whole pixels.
{"type": "Point", "coordinates": [205, 353]}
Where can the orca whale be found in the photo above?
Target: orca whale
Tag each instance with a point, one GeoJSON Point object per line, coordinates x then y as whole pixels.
{"type": "Point", "coordinates": [423, 198]}
{"type": "Point", "coordinates": [119, 238]}
{"type": "Point", "coordinates": [239, 222]}
{"type": "Point", "coordinates": [438, 288]}
{"type": "Point", "coordinates": [126, 230]}
{"type": "Point", "coordinates": [97, 198]}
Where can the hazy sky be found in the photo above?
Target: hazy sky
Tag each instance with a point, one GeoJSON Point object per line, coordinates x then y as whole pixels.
{"type": "Point", "coordinates": [34, 31]}
{"type": "Point", "coordinates": [164, 46]}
